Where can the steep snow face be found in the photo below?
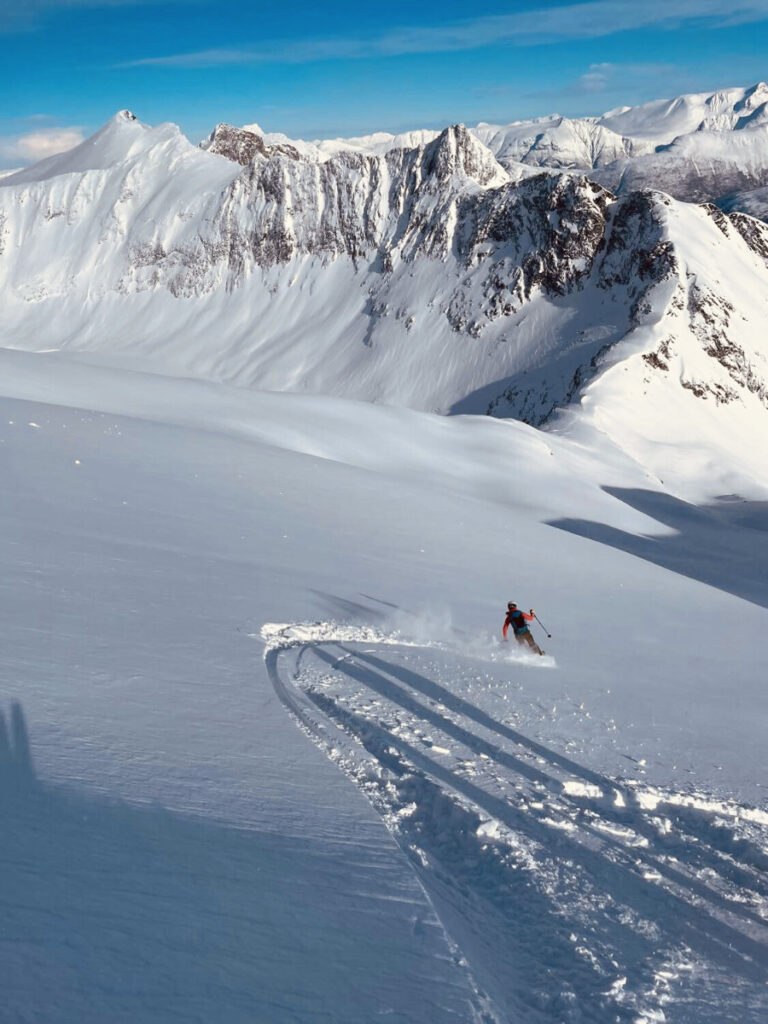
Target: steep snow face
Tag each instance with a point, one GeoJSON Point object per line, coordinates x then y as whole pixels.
{"type": "Point", "coordinates": [66, 222]}
{"type": "Point", "coordinates": [687, 392]}
{"type": "Point", "coordinates": [698, 167]}
{"type": "Point", "coordinates": [424, 277]}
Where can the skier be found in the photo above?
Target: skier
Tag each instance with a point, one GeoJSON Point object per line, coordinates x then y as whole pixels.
{"type": "Point", "coordinates": [518, 620]}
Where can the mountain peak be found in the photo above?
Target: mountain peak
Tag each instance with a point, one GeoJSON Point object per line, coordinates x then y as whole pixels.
{"type": "Point", "coordinates": [121, 138]}
{"type": "Point", "coordinates": [457, 151]}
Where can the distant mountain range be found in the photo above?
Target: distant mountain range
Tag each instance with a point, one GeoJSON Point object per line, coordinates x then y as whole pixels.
{"type": "Point", "coordinates": [515, 271]}
{"type": "Point", "coordinates": [702, 147]}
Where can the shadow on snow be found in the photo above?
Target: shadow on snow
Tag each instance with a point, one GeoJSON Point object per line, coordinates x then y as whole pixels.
{"type": "Point", "coordinates": [724, 545]}
{"type": "Point", "coordinates": [520, 924]}
{"type": "Point", "coordinates": [123, 913]}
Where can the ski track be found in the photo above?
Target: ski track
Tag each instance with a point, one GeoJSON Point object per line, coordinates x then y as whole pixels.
{"type": "Point", "coordinates": [572, 896]}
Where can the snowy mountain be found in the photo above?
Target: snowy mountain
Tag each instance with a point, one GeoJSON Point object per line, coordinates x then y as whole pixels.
{"type": "Point", "coordinates": [555, 141]}
{"type": "Point", "coordinates": [264, 754]}
{"type": "Point", "coordinates": [661, 121]}
{"type": "Point", "coordinates": [559, 142]}
{"type": "Point", "coordinates": [689, 146]}
{"type": "Point", "coordinates": [422, 277]}
{"type": "Point", "coordinates": [698, 147]}
{"type": "Point", "coordinates": [700, 167]}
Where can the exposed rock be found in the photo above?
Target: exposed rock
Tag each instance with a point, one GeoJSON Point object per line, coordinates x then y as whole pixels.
{"type": "Point", "coordinates": [527, 285]}
{"type": "Point", "coordinates": [242, 146]}
{"type": "Point", "coordinates": [754, 233]}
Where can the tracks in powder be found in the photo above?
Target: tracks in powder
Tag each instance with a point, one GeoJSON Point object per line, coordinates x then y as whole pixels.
{"type": "Point", "coordinates": [573, 896]}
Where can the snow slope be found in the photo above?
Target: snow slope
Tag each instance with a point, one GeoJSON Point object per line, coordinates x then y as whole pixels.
{"type": "Point", "coordinates": [699, 167]}
{"type": "Point", "coordinates": [661, 121]}
{"type": "Point", "coordinates": [176, 848]}
{"type": "Point", "coordinates": [423, 278]}
{"type": "Point", "coordinates": [262, 753]}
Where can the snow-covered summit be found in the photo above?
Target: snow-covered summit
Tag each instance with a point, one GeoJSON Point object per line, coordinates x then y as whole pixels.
{"type": "Point", "coordinates": [558, 142]}
{"type": "Point", "coordinates": [456, 151]}
{"type": "Point", "coordinates": [377, 143]}
{"type": "Point", "coordinates": [661, 121]}
{"type": "Point", "coordinates": [428, 277]}
{"type": "Point", "coordinates": [120, 138]}
{"type": "Point", "coordinates": [703, 129]}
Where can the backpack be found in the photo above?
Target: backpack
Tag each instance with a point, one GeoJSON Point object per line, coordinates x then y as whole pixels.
{"type": "Point", "coordinates": [518, 621]}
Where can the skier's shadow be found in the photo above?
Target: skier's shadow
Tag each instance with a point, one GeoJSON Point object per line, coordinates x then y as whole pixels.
{"type": "Point", "coordinates": [686, 918]}
{"type": "Point", "coordinates": [724, 545]}
{"type": "Point", "coordinates": [17, 771]}
{"type": "Point", "coordinates": [111, 911]}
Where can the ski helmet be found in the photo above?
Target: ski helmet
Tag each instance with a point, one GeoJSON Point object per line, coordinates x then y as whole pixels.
{"type": "Point", "coordinates": [511, 604]}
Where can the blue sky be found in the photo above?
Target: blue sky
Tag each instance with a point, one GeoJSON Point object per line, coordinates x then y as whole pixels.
{"type": "Point", "coordinates": [346, 68]}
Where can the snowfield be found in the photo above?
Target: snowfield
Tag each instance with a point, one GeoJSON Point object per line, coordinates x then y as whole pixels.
{"type": "Point", "coordinates": [455, 831]}
{"type": "Point", "coordinates": [283, 428]}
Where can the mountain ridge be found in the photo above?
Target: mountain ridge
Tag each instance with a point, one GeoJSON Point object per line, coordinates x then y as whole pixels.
{"type": "Point", "coordinates": [427, 277]}
{"type": "Point", "coordinates": [625, 148]}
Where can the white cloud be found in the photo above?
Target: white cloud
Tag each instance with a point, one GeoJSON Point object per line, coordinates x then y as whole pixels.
{"type": "Point", "coordinates": [23, 15]}
{"type": "Point", "coordinates": [586, 20]}
{"type": "Point", "coordinates": [34, 146]}
{"type": "Point", "coordinates": [628, 80]}
{"type": "Point", "coordinates": [594, 80]}
{"type": "Point", "coordinates": [606, 76]}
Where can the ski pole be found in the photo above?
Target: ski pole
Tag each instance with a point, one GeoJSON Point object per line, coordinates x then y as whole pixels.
{"type": "Point", "coordinates": [549, 635]}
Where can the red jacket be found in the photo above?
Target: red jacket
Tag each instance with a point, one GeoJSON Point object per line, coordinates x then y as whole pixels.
{"type": "Point", "coordinates": [515, 612]}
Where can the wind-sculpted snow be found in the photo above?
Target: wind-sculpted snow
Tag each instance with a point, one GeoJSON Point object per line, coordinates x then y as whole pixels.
{"type": "Point", "coordinates": [572, 895]}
